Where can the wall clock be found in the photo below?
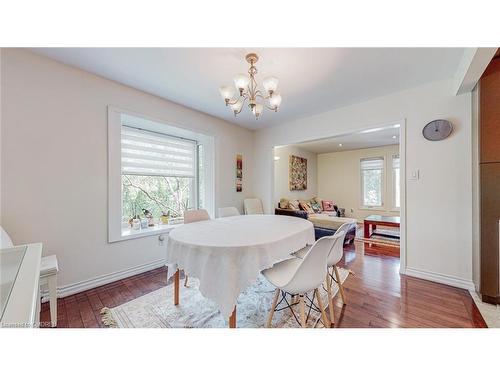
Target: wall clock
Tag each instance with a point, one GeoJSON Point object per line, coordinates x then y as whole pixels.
{"type": "Point", "coordinates": [437, 130]}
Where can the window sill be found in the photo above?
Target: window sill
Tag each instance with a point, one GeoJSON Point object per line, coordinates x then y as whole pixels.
{"type": "Point", "coordinates": [129, 233]}
{"type": "Point", "coordinates": [365, 208]}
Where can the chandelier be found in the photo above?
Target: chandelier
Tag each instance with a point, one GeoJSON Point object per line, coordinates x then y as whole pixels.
{"type": "Point", "coordinates": [248, 91]}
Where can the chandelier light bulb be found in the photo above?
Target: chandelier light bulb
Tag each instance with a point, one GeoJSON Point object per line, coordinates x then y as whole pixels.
{"type": "Point", "coordinates": [241, 81]}
{"type": "Point", "coordinates": [270, 84]}
{"type": "Point", "coordinates": [275, 101]}
{"type": "Point", "coordinates": [227, 92]}
{"type": "Point", "coordinates": [258, 109]}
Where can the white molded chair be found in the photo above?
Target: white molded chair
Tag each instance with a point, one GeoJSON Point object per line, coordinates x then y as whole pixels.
{"type": "Point", "coordinates": [48, 275]}
{"type": "Point", "coordinates": [298, 276]}
{"type": "Point", "coordinates": [333, 258]}
{"type": "Point", "coordinates": [228, 211]}
{"type": "Point", "coordinates": [192, 216]}
{"type": "Point", "coordinates": [253, 206]}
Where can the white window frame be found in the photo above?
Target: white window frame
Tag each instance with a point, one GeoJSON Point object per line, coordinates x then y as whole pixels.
{"type": "Point", "coordinates": [393, 187]}
{"type": "Point", "coordinates": [382, 189]}
{"type": "Point", "coordinates": [115, 230]}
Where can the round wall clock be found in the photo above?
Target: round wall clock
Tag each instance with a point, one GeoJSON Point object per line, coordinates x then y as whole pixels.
{"type": "Point", "coordinates": [437, 130]}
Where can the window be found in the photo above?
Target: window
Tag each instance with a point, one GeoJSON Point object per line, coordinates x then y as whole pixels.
{"type": "Point", "coordinates": [396, 181]}
{"type": "Point", "coordinates": [155, 166]}
{"type": "Point", "coordinates": [372, 175]}
{"type": "Point", "coordinates": [159, 174]}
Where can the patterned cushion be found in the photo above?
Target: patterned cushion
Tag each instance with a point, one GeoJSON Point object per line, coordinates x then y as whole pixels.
{"type": "Point", "coordinates": [315, 206]}
{"type": "Point", "coordinates": [293, 205]}
{"type": "Point", "coordinates": [306, 207]}
{"type": "Point", "coordinates": [284, 203]}
{"type": "Point", "coordinates": [328, 205]}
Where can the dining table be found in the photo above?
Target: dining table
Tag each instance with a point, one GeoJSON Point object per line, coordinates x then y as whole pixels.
{"type": "Point", "coordinates": [227, 254]}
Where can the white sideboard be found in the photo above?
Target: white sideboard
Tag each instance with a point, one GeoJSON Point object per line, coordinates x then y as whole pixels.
{"type": "Point", "coordinates": [19, 286]}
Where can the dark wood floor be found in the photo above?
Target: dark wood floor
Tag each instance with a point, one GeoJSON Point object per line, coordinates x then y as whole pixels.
{"type": "Point", "coordinates": [377, 296]}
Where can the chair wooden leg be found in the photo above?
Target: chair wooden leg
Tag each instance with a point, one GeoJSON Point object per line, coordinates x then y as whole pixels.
{"type": "Point", "coordinates": [341, 287]}
{"type": "Point", "coordinates": [52, 281]}
{"type": "Point", "coordinates": [326, 323]}
{"type": "Point", "coordinates": [176, 288]}
{"type": "Point", "coordinates": [273, 306]}
{"type": "Point", "coordinates": [330, 299]}
{"type": "Point", "coordinates": [302, 311]}
{"type": "Point", "coordinates": [185, 280]}
{"type": "Point", "coordinates": [232, 319]}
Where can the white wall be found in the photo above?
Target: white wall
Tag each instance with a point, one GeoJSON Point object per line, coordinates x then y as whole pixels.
{"type": "Point", "coordinates": [281, 172]}
{"type": "Point", "coordinates": [339, 179]}
{"type": "Point", "coordinates": [439, 204]}
{"type": "Point", "coordinates": [54, 162]}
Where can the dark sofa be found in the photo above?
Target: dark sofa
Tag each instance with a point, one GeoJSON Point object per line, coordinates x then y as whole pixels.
{"type": "Point", "coordinates": [318, 231]}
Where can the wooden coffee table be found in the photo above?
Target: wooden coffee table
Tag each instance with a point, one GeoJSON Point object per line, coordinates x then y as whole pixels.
{"type": "Point", "coordinates": [374, 220]}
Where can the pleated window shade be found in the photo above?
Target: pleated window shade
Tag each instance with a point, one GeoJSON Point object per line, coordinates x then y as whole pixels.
{"type": "Point", "coordinates": [148, 153]}
{"type": "Point", "coordinates": [372, 163]}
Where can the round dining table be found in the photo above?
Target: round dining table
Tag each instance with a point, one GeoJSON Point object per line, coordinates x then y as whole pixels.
{"type": "Point", "coordinates": [228, 254]}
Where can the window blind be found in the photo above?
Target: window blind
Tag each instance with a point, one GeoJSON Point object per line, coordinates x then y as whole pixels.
{"type": "Point", "coordinates": [153, 154]}
{"type": "Point", "coordinates": [395, 161]}
{"type": "Point", "coordinates": [372, 163]}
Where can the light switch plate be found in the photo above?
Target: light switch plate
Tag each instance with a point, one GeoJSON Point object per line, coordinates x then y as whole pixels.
{"type": "Point", "coordinates": [414, 175]}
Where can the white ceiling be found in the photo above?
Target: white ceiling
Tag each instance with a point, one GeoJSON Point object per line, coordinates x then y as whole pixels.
{"type": "Point", "coordinates": [367, 139]}
{"type": "Point", "coordinates": [312, 80]}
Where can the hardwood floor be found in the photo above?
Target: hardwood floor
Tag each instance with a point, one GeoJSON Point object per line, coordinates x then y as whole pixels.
{"type": "Point", "coordinates": [377, 296]}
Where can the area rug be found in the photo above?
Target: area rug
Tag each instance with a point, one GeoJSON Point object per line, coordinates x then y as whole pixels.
{"type": "Point", "coordinates": [157, 310]}
{"type": "Point", "coordinates": [381, 236]}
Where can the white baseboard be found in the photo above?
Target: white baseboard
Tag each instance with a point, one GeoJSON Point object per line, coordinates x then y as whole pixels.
{"type": "Point", "coordinates": [81, 286]}
{"type": "Point", "coordinates": [440, 278]}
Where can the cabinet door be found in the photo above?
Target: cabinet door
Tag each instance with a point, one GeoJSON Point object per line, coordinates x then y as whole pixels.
{"type": "Point", "coordinates": [490, 215]}
{"type": "Point", "coordinates": [490, 113]}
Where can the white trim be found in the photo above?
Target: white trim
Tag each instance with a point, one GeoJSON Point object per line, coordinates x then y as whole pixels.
{"type": "Point", "coordinates": [81, 286]}
{"type": "Point", "coordinates": [402, 195]}
{"type": "Point", "coordinates": [440, 278]}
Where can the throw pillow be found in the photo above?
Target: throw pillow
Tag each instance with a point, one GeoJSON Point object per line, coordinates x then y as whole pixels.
{"type": "Point", "coordinates": [293, 205]}
{"type": "Point", "coordinates": [306, 207]}
{"type": "Point", "coordinates": [315, 206]}
{"type": "Point", "coordinates": [328, 205]}
{"type": "Point", "coordinates": [284, 203]}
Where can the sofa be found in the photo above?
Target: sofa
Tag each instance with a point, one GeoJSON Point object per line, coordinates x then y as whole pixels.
{"type": "Point", "coordinates": [325, 224]}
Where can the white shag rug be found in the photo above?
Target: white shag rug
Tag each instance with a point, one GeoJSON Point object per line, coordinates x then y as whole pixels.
{"type": "Point", "coordinates": [157, 310]}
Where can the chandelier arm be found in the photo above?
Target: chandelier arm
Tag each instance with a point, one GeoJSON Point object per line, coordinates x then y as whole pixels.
{"type": "Point", "coordinates": [275, 109]}
{"type": "Point", "coordinates": [242, 105]}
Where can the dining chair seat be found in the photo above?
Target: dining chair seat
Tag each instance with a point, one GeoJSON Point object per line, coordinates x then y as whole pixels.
{"type": "Point", "coordinates": [281, 273]}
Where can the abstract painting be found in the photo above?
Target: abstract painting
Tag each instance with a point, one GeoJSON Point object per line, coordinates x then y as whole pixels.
{"type": "Point", "coordinates": [297, 178]}
{"type": "Point", "coordinates": [239, 173]}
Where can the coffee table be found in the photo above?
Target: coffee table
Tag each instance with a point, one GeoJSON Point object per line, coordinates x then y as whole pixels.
{"type": "Point", "coordinates": [374, 220]}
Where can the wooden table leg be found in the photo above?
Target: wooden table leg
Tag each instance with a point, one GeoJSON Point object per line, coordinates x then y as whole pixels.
{"type": "Point", "coordinates": [367, 229]}
{"type": "Point", "coordinates": [176, 288]}
{"type": "Point", "coordinates": [232, 319]}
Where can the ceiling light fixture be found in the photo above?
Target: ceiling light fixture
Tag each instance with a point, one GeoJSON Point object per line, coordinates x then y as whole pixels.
{"type": "Point", "coordinates": [248, 90]}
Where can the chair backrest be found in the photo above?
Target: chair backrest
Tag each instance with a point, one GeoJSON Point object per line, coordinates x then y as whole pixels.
{"type": "Point", "coordinates": [312, 271]}
{"type": "Point", "coordinates": [5, 240]}
{"type": "Point", "coordinates": [190, 216]}
{"type": "Point", "coordinates": [253, 206]}
{"type": "Point", "coordinates": [228, 211]}
{"type": "Point", "coordinates": [338, 249]}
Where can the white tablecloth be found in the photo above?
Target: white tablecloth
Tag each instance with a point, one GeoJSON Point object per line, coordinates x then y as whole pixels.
{"type": "Point", "coordinates": [227, 254]}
